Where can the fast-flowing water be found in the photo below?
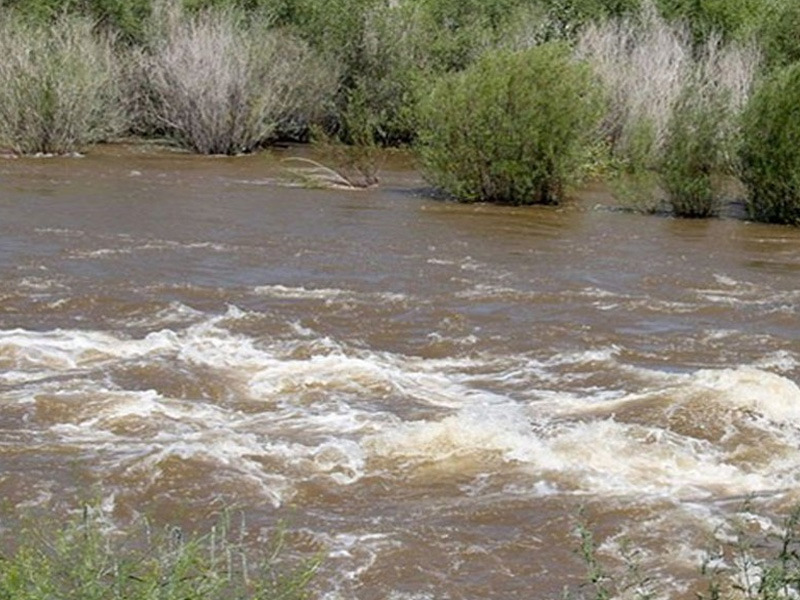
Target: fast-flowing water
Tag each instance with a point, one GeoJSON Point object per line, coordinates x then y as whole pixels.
{"type": "Point", "coordinates": [426, 391]}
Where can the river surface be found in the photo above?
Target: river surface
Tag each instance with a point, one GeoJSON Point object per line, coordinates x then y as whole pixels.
{"type": "Point", "coordinates": [427, 392]}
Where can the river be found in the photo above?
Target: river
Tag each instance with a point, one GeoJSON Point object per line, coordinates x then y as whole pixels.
{"type": "Point", "coordinates": [429, 392]}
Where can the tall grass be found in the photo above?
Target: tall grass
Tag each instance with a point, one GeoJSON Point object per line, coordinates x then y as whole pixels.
{"type": "Point", "coordinates": [85, 559]}
{"type": "Point", "coordinates": [218, 83]}
{"type": "Point", "coordinates": [59, 85]}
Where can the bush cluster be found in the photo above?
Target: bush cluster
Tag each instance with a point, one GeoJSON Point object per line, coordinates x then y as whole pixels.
{"type": "Point", "coordinates": [673, 107]}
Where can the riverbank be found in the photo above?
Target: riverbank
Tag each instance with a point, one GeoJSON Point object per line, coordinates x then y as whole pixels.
{"type": "Point", "coordinates": [234, 79]}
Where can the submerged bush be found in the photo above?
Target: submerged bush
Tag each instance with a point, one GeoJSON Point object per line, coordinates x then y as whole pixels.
{"type": "Point", "coordinates": [510, 129]}
{"type": "Point", "coordinates": [219, 84]}
{"type": "Point", "coordinates": [752, 555]}
{"type": "Point", "coordinates": [85, 559]}
{"type": "Point", "coordinates": [770, 153]}
{"type": "Point", "coordinates": [693, 155]}
{"type": "Point", "coordinates": [60, 85]}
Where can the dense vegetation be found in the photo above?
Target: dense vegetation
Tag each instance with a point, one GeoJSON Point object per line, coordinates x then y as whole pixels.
{"type": "Point", "coordinates": [231, 76]}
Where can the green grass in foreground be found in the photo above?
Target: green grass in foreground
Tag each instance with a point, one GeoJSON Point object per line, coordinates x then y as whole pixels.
{"type": "Point", "coordinates": [85, 559]}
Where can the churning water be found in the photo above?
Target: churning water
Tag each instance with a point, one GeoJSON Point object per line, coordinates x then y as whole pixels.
{"type": "Point", "coordinates": [427, 391]}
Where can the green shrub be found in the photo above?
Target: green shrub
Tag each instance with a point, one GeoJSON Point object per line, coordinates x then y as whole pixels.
{"type": "Point", "coordinates": [86, 560]}
{"type": "Point", "coordinates": [220, 84]}
{"type": "Point", "coordinates": [125, 18]}
{"type": "Point", "coordinates": [691, 157]}
{"type": "Point", "coordinates": [60, 85]}
{"type": "Point", "coordinates": [770, 153]}
{"type": "Point", "coordinates": [386, 52]}
{"type": "Point", "coordinates": [731, 19]}
{"type": "Point", "coordinates": [694, 152]}
{"type": "Point", "coordinates": [570, 16]}
{"type": "Point", "coordinates": [510, 129]}
{"type": "Point", "coordinates": [778, 33]}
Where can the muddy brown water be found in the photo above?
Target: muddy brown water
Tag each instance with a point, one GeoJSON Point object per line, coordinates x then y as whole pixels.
{"type": "Point", "coordinates": [428, 392]}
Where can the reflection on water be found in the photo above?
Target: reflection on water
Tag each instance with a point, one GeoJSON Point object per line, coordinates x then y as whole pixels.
{"type": "Point", "coordinates": [429, 391]}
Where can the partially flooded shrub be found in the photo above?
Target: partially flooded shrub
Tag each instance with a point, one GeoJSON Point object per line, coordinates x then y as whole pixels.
{"type": "Point", "coordinates": [692, 156]}
{"type": "Point", "coordinates": [510, 129]}
{"type": "Point", "coordinates": [704, 124]}
{"type": "Point", "coordinates": [672, 108]}
{"type": "Point", "coordinates": [770, 153]}
{"type": "Point", "coordinates": [59, 89]}
{"type": "Point", "coordinates": [219, 84]}
{"type": "Point", "coordinates": [643, 62]}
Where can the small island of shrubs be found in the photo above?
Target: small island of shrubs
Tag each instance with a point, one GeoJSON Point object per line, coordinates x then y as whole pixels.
{"type": "Point", "coordinates": [507, 101]}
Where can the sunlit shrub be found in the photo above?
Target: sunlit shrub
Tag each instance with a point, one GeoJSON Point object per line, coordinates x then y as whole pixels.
{"type": "Point", "coordinates": [770, 153]}
{"type": "Point", "coordinates": [510, 129]}
{"type": "Point", "coordinates": [58, 85]}
{"type": "Point", "coordinates": [220, 84]}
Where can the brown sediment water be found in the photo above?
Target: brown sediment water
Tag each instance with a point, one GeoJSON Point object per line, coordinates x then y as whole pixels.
{"type": "Point", "coordinates": [428, 392]}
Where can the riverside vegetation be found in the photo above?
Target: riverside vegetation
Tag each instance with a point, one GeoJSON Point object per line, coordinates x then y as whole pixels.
{"type": "Point", "coordinates": [86, 558]}
{"type": "Point", "coordinates": [655, 95]}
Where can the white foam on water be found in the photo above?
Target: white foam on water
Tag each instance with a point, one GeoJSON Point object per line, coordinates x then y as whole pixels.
{"type": "Point", "coordinates": [501, 429]}
{"type": "Point", "coordinates": [374, 375]}
{"type": "Point", "coordinates": [337, 411]}
{"type": "Point", "coordinates": [780, 360]}
{"type": "Point", "coordinates": [326, 294]}
{"type": "Point", "coordinates": [343, 460]}
{"type": "Point", "coordinates": [596, 457]}
{"type": "Point", "coordinates": [772, 396]}
{"type": "Point", "coordinates": [606, 300]}
{"type": "Point", "coordinates": [608, 457]}
{"type": "Point", "coordinates": [150, 246]}
{"type": "Point", "coordinates": [29, 355]}
{"type": "Point", "coordinates": [723, 279]}
{"type": "Point", "coordinates": [749, 295]}
{"type": "Point", "coordinates": [174, 314]}
{"type": "Point", "coordinates": [133, 434]}
{"type": "Point", "coordinates": [605, 456]}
